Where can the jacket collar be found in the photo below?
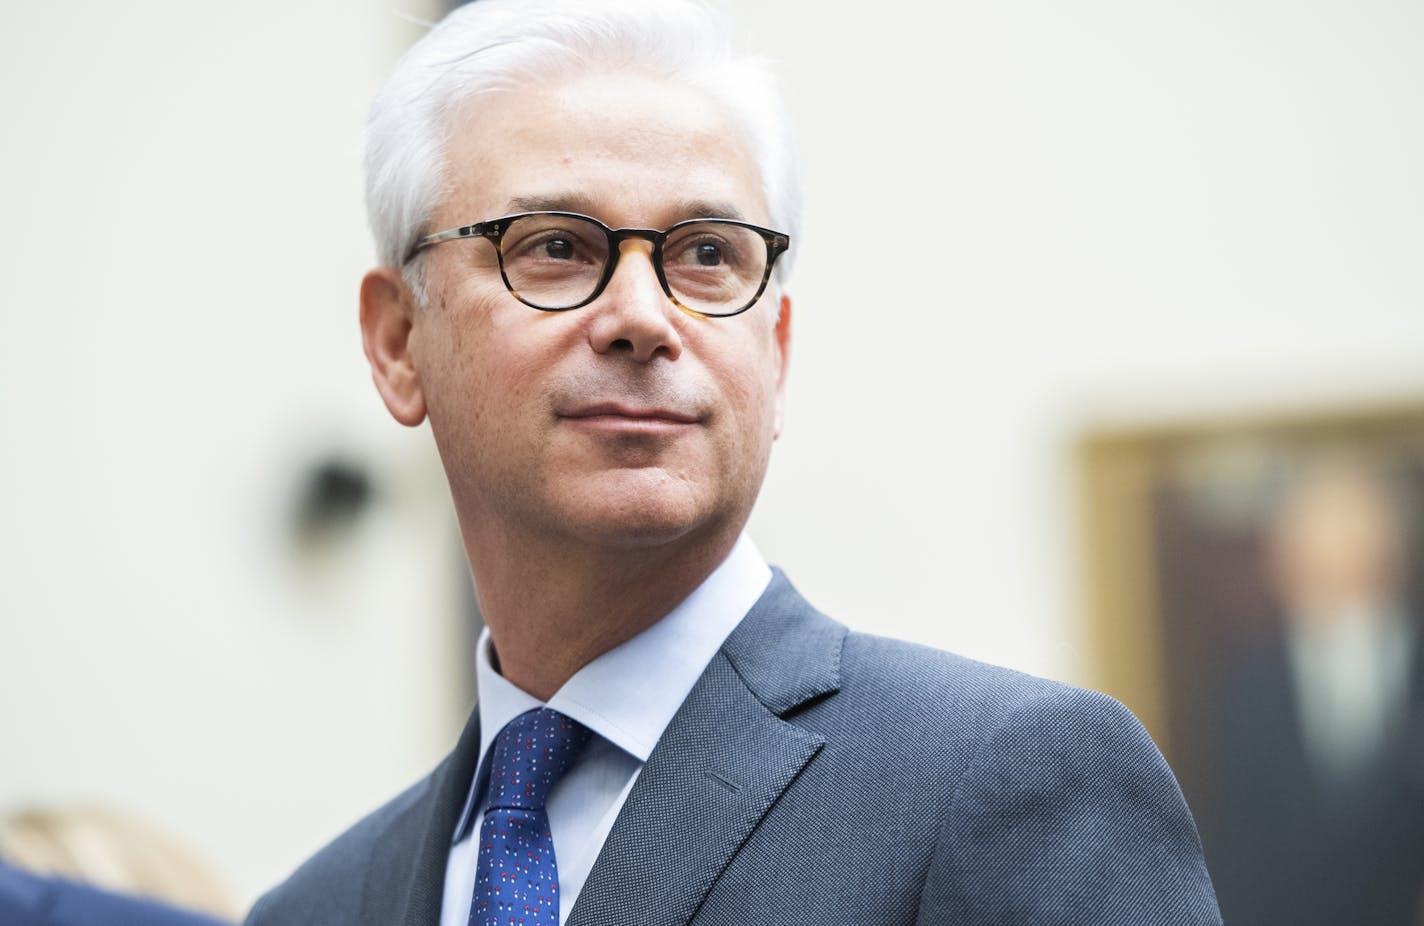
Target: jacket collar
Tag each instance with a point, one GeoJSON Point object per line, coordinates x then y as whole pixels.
{"type": "Point", "coordinates": [727, 756]}
{"type": "Point", "coordinates": [723, 762]}
{"type": "Point", "coordinates": [786, 651]}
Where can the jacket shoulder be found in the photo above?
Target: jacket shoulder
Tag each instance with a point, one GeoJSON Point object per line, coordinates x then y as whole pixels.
{"type": "Point", "coordinates": [1061, 807]}
{"type": "Point", "coordinates": [1054, 804]}
{"type": "Point", "coordinates": [947, 695]}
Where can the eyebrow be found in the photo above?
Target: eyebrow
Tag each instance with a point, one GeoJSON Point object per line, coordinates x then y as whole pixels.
{"type": "Point", "coordinates": [578, 202]}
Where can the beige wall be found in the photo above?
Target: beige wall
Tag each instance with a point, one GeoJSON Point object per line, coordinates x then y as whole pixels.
{"type": "Point", "coordinates": [1022, 218]}
{"type": "Point", "coordinates": [181, 241]}
{"type": "Point", "coordinates": [1027, 216]}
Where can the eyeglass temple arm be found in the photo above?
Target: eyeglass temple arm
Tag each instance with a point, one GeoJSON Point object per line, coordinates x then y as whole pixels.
{"type": "Point", "coordinates": [478, 230]}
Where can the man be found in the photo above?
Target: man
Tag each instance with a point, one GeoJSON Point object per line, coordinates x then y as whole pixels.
{"type": "Point", "coordinates": [32, 900]}
{"type": "Point", "coordinates": [1312, 728]}
{"type": "Point", "coordinates": [584, 210]}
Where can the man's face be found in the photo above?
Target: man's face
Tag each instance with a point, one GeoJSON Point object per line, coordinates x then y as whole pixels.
{"type": "Point", "coordinates": [626, 422]}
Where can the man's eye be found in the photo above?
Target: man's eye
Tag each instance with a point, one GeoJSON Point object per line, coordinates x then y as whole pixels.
{"type": "Point", "coordinates": [708, 255]}
{"type": "Point", "coordinates": [708, 251]}
{"type": "Point", "coordinates": [559, 248]}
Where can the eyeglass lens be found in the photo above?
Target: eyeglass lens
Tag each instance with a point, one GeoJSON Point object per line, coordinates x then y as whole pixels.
{"type": "Point", "coordinates": [557, 261]}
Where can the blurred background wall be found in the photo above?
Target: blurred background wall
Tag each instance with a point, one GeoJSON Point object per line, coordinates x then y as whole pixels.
{"type": "Point", "coordinates": [1026, 221]}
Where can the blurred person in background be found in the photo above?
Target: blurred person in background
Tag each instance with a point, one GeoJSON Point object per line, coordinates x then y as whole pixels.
{"type": "Point", "coordinates": [1319, 727]}
{"type": "Point", "coordinates": [584, 210]}
{"type": "Point", "coordinates": [87, 866]}
{"type": "Point", "coordinates": [34, 900]}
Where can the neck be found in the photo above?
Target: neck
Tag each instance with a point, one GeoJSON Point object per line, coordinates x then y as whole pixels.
{"type": "Point", "coordinates": [552, 612]}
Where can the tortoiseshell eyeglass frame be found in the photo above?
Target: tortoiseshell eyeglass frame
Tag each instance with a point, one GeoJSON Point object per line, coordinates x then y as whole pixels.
{"type": "Point", "coordinates": [777, 243]}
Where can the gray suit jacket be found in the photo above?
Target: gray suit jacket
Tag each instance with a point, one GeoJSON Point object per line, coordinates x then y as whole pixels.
{"type": "Point", "coordinates": [818, 776]}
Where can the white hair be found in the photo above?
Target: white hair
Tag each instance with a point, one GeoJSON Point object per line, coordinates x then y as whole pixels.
{"type": "Point", "coordinates": [492, 45]}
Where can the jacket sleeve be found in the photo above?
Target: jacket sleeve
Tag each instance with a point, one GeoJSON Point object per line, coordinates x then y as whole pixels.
{"type": "Point", "coordinates": [1068, 814]}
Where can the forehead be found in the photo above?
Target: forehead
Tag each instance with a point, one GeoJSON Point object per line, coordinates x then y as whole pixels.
{"type": "Point", "coordinates": [628, 149]}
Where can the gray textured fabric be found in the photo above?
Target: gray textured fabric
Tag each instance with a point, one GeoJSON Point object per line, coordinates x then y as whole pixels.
{"type": "Point", "coordinates": [819, 776]}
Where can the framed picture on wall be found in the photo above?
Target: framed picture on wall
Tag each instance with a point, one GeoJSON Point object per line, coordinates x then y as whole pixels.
{"type": "Point", "coordinates": [1256, 593]}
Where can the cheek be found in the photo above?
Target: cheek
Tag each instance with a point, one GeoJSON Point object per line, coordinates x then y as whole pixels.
{"type": "Point", "coordinates": [750, 391]}
{"type": "Point", "coordinates": [455, 372]}
{"type": "Point", "coordinates": [491, 385]}
{"type": "Point", "coordinates": [489, 348]}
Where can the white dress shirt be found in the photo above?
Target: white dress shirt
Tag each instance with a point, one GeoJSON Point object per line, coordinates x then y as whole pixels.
{"type": "Point", "coordinates": [626, 697]}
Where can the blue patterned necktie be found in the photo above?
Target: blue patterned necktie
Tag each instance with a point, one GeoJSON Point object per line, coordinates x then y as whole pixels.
{"type": "Point", "coordinates": [516, 879]}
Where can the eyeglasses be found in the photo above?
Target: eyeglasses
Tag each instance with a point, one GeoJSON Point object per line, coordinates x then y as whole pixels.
{"type": "Point", "coordinates": [555, 261]}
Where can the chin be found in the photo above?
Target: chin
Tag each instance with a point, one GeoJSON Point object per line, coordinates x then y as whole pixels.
{"type": "Point", "coordinates": [634, 529]}
{"type": "Point", "coordinates": [632, 514]}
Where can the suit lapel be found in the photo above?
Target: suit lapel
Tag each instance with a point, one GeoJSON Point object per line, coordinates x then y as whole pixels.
{"type": "Point", "coordinates": [722, 762]}
{"type": "Point", "coordinates": [407, 875]}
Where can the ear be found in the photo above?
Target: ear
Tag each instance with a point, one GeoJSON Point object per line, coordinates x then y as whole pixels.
{"type": "Point", "coordinates": [387, 316]}
{"type": "Point", "coordinates": [783, 360]}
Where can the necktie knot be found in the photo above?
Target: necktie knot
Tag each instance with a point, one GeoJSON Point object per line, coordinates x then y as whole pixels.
{"type": "Point", "coordinates": [530, 755]}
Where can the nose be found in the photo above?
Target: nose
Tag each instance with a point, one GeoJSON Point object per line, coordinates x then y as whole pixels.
{"type": "Point", "coordinates": [633, 316]}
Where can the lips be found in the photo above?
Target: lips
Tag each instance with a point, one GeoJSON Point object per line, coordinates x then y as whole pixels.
{"type": "Point", "coordinates": [627, 421]}
{"type": "Point", "coordinates": [631, 416]}
{"type": "Point", "coordinates": [615, 411]}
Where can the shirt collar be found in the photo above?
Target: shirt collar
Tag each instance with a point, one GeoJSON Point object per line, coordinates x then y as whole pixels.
{"type": "Point", "coordinates": [629, 694]}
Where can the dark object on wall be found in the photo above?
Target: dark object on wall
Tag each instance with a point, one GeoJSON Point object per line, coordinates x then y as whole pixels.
{"type": "Point", "coordinates": [333, 495]}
